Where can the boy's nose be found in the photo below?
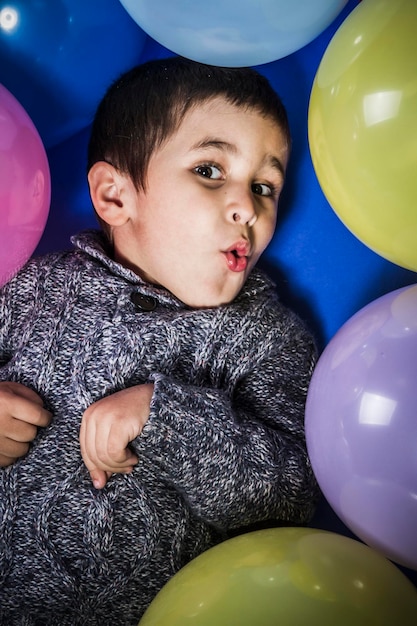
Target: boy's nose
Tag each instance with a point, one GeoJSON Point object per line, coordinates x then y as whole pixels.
{"type": "Point", "coordinates": [241, 208]}
{"type": "Point", "coordinates": [251, 222]}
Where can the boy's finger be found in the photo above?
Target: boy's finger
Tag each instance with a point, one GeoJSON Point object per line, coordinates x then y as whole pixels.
{"type": "Point", "coordinates": [28, 411]}
{"type": "Point", "coordinates": [99, 478]}
{"type": "Point", "coordinates": [33, 414]}
{"type": "Point", "coordinates": [111, 451]}
{"type": "Point", "coordinates": [15, 446]}
{"type": "Point", "coordinates": [5, 461]}
{"type": "Point", "coordinates": [23, 404]}
{"type": "Point", "coordinates": [11, 451]}
{"type": "Point", "coordinates": [21, 390]}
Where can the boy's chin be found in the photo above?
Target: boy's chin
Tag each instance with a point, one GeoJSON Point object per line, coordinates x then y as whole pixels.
{"type": "Point", "coordinates": [208, 301]}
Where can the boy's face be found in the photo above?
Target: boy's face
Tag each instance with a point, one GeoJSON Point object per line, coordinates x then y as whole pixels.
{"type": "Point", "coordinates": [210, 204]}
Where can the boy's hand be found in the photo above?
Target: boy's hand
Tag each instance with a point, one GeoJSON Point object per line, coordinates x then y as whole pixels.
{"type": "Point", "coordinates": [107, 428]}
{"type": "Point", "coordinates": [21, 413]}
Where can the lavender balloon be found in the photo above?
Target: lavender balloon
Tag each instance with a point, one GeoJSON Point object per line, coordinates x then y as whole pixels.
{"type": "Point", "coordinates": [361, 424]}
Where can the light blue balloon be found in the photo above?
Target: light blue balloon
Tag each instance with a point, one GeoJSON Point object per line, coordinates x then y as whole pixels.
{"type": "Point", "coordinates": [234, 33]}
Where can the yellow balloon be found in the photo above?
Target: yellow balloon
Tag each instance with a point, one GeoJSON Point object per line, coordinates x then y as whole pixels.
{"type": "Point", "coordinates": [362, 127]}
{"type": "Point", "coordinates": [288, 576]}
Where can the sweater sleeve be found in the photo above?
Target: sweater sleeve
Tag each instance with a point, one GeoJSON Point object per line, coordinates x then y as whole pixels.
{"type": "Point", "coordinates": [238, 455]}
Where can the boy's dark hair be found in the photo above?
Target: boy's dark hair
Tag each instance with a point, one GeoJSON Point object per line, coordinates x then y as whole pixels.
{"type": "Point", "coordinates": [147, 104]}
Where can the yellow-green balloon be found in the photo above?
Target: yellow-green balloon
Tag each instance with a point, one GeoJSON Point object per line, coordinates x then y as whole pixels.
{"type": "Point", "coordinates": [288, 577]}
{"type": "Point", "coordinates": [363, 127]}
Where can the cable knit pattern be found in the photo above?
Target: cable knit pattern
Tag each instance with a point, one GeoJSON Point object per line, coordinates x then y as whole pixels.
{"type": "Point", "coordinates": [223, 448]}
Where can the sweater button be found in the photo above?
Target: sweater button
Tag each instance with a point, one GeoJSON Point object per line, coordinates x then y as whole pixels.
{"type": "Point", "coordinates": [142, 302]}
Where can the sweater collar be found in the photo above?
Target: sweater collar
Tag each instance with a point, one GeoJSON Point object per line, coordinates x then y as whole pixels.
{"type": "Point", "coordinates": [95, 244]}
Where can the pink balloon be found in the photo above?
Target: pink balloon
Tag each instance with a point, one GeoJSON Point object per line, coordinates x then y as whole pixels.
{"type": "Point", "coordinates": [25, 186]}
{"type": "Point", "coordinates": [361, 424]}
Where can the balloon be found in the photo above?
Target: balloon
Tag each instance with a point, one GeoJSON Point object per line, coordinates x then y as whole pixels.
{"type": "Point", "coordinates": [290, 576]}
{"type": "Point", "coordinates": [361, 424]}
{"type": "Point", "coordinates": [25, 187]}
{"type": "Point", "coordinates": [362, 127]}
{"type": "Point", "coordinates": [58, 57]}
{"type": "Point", "coordinates": [230, 33]}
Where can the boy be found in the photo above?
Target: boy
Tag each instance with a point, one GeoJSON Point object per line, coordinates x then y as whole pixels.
{"type": "Point", "coordinates": [153, 360]}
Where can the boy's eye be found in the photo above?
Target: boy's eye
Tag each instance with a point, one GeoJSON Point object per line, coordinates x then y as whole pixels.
{"type": "Point", "coordinates": [262, 190]}
{"type": "Point", "coordinates": [208, 171]}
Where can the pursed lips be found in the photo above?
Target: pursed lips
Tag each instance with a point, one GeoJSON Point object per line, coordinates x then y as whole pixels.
{"type": "Point", "coordinates": [237, 256]}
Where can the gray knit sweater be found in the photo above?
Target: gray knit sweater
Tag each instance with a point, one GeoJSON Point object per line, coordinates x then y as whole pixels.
{"type": "Point", "coordinates": [223, 448]}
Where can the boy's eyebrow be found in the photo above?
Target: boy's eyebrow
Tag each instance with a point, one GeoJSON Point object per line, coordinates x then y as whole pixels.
{"type": "Point", "coordinates": [225, 146]}
{"type": "Point", "coordinates": [212, 142]}
{"type": "Point", "coordinates": [274, 162]}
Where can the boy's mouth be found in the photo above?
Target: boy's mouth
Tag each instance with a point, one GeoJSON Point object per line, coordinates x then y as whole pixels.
{"type": "Point", "coordinates": [237, 256]}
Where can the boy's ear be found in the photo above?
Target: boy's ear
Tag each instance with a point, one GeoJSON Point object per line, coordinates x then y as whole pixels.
{"type": "Point", "coordinates": [110, 193]}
